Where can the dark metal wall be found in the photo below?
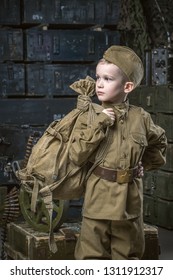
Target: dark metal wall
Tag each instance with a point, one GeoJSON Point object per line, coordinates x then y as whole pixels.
{"type": "Point", "coordinates": [45, 47]}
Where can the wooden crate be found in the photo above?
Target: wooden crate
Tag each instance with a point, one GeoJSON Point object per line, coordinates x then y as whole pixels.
{"type": "Point", "coordinates": [24, 243]}
{"type": "Point", "coordinates": [152, 248]}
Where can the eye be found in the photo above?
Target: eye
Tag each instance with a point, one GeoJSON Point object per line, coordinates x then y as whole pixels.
{"type": "Point", "coordinates": [108, 79]}
{"type": "Point", "coordinates": [97, 78]}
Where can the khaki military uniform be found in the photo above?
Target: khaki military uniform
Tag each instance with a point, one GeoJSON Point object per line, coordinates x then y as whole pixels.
{"type": "Point", "coordinates": [112, 212]}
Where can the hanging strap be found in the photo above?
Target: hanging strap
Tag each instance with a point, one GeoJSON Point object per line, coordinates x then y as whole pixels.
{"type": "Point", "coordinates": [48, 200]}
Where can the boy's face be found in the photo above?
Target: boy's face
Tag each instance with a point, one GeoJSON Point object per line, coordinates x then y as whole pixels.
{"type": "Point", "coordinates": [109, 83]}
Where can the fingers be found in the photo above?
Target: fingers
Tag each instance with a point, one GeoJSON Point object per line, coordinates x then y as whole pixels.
{"type": "Point", "coordinates": [110, 112]}
{"type": "Point", "coordinates": [140, 172]}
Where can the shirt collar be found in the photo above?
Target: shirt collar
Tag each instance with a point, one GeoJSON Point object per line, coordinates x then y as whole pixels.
{"type": "Point", "coordinates": [120, 109]}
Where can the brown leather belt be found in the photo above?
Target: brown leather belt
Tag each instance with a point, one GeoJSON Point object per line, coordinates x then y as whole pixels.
{"type": "Point", "coordinates": [119, 176]}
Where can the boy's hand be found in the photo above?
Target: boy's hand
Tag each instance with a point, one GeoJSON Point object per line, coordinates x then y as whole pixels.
{"type": "Point", "coordinates": [110, 112]}
{"type": "Point", "coordinates": [140, 171]}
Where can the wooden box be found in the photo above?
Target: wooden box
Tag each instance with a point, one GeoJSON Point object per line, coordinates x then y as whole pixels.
{"type": "Point", "coordinates": [152, 248]}
{"type": "Point", "coordinates": [24, 243]}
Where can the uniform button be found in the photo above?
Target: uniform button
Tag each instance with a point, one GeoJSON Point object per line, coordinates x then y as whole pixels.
{"type": "Point", "coordinates": [124, 155]}
{"type": "Point", "coordinates": [121, 121]}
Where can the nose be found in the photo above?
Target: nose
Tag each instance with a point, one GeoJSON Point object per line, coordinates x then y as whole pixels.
{"type": "Point", "coordinates": [100, 83]}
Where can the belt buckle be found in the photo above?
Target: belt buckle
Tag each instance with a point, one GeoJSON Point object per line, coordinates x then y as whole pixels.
{"type": "Point", "coordinates": [124, 176]}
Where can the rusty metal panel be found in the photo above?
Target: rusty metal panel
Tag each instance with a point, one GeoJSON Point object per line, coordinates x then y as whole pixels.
{"type": "Point", "coordinates": [148, 183]}
{"type": "Point", "coordinates": [10, 12]}
{"type": "Point", "coordinates": [143, 96]}
{"type": "Point", "coordinates": [13, 140]}
{"type": "Point", "coordinates": [158, 211]}
{"type": "Point", "coordinates": [12, 79]}
{"type": "Point", "coordinates": [158, 184]}
{"type": "Point", "coordinates": [72, 12]}
{"type": "Point", "coordinates": [163, 185]}
{"type": "Point", "coordinates": [59, 11]}
{"type": "Point", "coordinates": [155, 99]}
{"type": "Point", "coordinates": [164, 98]}
{"type": "Point", "coordinates": [34, 111]}
{"type": "Point", "coordinates": [54, 79]}
{"type": "Point", "coordinates": [169, 159]}
{"type": "Point", "coordinates": [162, 66]}
{"type": "Point", "coordinates": [11, 47]}
{"type": "Point", "coordinates": [112, 10]}
{"type": "Point", "coordinates": [166, 122]}
{"type": "Point", "coordinates": [68, 45]}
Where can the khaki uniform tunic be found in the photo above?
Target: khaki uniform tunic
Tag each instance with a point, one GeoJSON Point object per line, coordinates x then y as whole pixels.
{"type": "Point", "coordinates": [133, 137]}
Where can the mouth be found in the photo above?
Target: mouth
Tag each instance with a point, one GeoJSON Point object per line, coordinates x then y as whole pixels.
{"type": "Point", "coordinates": [100, 93]}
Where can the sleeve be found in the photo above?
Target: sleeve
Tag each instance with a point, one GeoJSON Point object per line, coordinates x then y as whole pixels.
{"type": "Point", "coordinates": [155, 153]}
{"type": "Point", "coordinates": [86, 139]}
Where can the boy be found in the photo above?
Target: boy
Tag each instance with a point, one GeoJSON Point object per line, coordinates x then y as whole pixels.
{"type": "Point", "coordinates": [119, 138]}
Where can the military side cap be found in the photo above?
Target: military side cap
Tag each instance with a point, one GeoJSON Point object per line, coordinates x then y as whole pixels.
{"type": "Point", "coordinates": [127, 60]}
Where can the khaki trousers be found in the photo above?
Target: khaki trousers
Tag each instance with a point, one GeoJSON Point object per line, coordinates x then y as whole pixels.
{"type": "Point", "coordinates": [116, 240]}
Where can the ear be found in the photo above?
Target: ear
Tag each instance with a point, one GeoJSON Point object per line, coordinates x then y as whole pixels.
{"type": "Point", "coordinates": [128, 87]}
